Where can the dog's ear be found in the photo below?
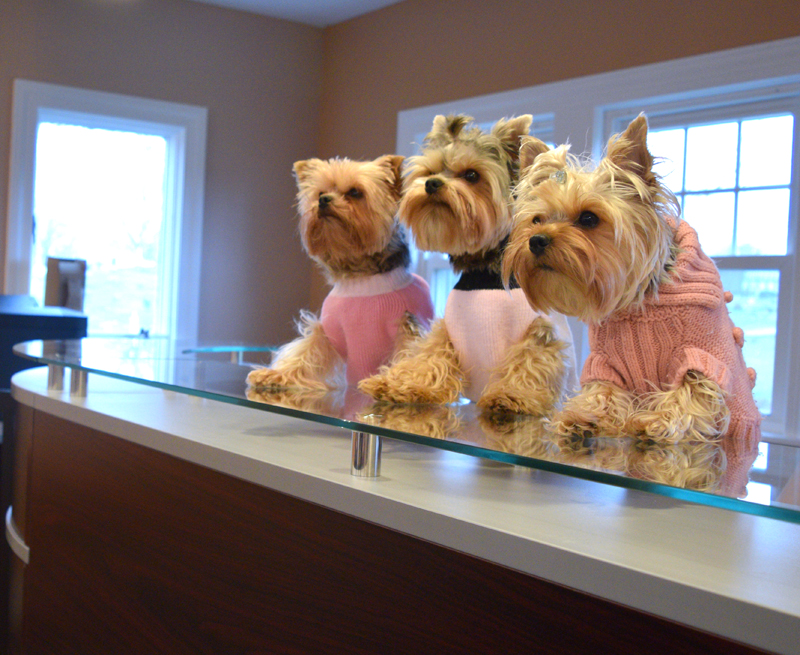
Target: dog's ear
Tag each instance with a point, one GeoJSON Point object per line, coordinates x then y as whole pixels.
{"type": "Point", "coordinates": [394, 166]}
{"type": "Point", "coordinates": [510, 131]}
{"type": "Point", "coordinates": [302, 169]}
{"type": "Point", "coordinates": [629, 150]}
{"type": "Point", "coordinates": [529, 150]}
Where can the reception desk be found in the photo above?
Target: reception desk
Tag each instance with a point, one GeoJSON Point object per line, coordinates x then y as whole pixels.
{"type": "Point", "coordinates": [146, 520]}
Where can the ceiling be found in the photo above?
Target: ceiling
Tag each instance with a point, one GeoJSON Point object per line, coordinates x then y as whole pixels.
{"type": "Point", "coordinates": [319, 13]}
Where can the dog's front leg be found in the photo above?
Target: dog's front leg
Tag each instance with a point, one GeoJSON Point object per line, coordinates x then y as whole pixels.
{"type": "Point", "coordinates": [529, 379]}
{"type": "Point", "coordinates": [599, 409]}
{"type": "Point", "coordinates": [308, 362]}
{"type": "Point", "coordinates": [695, 411]}
{"type": "Point", "coordinates": [427, 371]}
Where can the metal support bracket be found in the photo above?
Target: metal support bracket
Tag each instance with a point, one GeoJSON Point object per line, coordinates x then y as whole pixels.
{"type": "Point", "coordinates": [366, 461]}
{"type": "Point", "coordinates": [55, 377]}
{"type": "Point", "coordinates": [78, 382]}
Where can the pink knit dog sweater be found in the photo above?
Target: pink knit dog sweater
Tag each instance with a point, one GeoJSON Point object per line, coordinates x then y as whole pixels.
{"type": "Point", "coordinates": [484, 323]}
{"type": "Point", "coordinates": [684, 327]}
{"type": "Point", "coordinates": [361, 317]}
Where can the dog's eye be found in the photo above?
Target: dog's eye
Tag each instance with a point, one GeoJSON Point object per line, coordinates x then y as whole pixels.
{"type": "Point", "coordinates": [588, 220]}
{"type": "Point", "coordinates": [471, 176]}
{"type": "Point", "coordinates": [355, 193]}
{"type": "Point", "coordinates": [536, 220]}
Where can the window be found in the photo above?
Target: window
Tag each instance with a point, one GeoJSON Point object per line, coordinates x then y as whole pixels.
{"type": "Point", "coordinates": [727, 126]}
{"type": "Point", "coordinates": [162, 216]}
{"type": "Point", "coordinates": [99, 195]}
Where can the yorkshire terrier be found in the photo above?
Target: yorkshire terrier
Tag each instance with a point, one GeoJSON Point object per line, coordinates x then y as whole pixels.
{"type": "Point", "coordinates": [348, 226]}
{"type": "Point", "coordinates": [490, 346]}
{"type": "Point", "coordinates": [607, 246]}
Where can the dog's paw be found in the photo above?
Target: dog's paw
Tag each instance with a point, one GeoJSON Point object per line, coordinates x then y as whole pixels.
{"type": "Point", "coordinates": [496, 399]}
{"type": "Point", "coordinates": [270, 378]}
{"type": "Point", "coordinates": [672, 428]}
{"type": "Point", "coordinates": [572, 424]}
{"type": "Point", "coordinates": [695, 411]}
{"type": "Point", "coordinates": [274, 378]}
{"type": "Point", "coordinates": [262, 377]}
{"type": "Point", "coordinates": [380, 387]}
{"type": "Point", "coordinates": [375, 386]}
{"type": "Point", "coordinates": [436, 421]}
{"type": "Point", "coordinates": [658, 428]}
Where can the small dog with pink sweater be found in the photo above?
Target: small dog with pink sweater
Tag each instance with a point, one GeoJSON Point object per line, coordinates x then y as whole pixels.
{"type": "Point", "coordinates": [348, 226]}
{"type": "Point", "coordinates": [607, 246]}
{"type": "Point", "coordinates": [490, 345]}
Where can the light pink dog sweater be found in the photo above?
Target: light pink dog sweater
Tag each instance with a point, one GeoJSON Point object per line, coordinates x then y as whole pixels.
{"type": "Point", "coordinates": [684, 327]}
{"type": "Point", "coordinates": [361, 317]}
{"type": "Point", "coordinates": [484, 323]}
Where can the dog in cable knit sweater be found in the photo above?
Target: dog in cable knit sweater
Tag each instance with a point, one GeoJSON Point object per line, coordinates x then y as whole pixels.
{"type": "Point", "coordinates": [607, 245]}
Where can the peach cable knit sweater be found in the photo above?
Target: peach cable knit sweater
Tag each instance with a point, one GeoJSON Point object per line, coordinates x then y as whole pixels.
{"type": "Point", "coordinates": [684, 327]}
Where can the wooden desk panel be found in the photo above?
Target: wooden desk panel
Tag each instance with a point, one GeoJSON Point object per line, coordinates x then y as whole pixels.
{"type": "Point", "coordinates": [135, 551]}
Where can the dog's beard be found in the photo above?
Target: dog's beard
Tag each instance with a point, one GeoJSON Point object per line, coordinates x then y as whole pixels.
{"type": "Point", "coordinates": [330, 234]}
{"type": "Point", "coordinates": [451, 221]}
{"type": "Point", "coordinates": [575, 275]}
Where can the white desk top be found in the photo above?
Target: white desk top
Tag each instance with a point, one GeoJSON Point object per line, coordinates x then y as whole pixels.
{"type": "Point", "coordinates": [732, 574]}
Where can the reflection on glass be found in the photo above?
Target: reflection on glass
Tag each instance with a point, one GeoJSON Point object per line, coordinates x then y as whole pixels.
{"type": "Point", "coordinates": [715, 473]}
{"type": "Point", "coordinates": [762, 227]}
{"type": "Point", "coordinates": [762, 461]}
{"type": "Point", "coordinates": [754, 308]}
{"type": "Point", "coordinates": [668, 148]}
{"type": "Point", "coordinates": [711, 214]}
{"type": "Point", "coordinates": [711, 156]}
{"type": "Point", "coordinates": [766, 151]}
{"type": "Point", "coordinates": [758, 492]}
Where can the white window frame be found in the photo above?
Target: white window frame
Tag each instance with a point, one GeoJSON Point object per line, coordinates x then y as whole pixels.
{"type": "Point", "coordinates": [184, 128]}
{"type": "Point", "coordinates": [587, 110]}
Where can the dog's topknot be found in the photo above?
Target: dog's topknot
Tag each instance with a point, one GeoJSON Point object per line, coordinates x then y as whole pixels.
{"type": "Point", "coordinates": [446, 129]}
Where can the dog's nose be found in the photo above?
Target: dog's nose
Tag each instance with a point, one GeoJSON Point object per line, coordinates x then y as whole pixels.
{"type": "Point", "coordinates": [324, 201]}
{"type": "Point", "coordinates": [538, 243]}
{"type": "Point", "coordinates": [432, 185]}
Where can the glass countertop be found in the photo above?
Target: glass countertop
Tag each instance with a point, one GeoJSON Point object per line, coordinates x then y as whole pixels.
{"type": "Point", "coordinates": [763, 480]}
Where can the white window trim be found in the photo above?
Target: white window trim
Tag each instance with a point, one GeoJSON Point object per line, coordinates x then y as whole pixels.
{"type": "Point", "coordinates": [587, 110]}
{"type": "Point", "coordinates": [184, 126]}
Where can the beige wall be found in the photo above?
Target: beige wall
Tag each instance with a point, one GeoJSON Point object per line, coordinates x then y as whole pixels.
{"type": "Point", "coordinates": [278, 91]}
{"type": "Point", "coordinates": [260, 79]}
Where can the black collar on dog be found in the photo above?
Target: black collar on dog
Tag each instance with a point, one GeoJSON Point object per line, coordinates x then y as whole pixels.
{"type": "Point", "coordinates": [482, 278]}
{"type": "Point", "coordinates": [482, 271]}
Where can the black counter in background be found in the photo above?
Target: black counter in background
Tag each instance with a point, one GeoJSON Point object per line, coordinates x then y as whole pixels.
{"type": "Point", "coordinates": [21, 319]}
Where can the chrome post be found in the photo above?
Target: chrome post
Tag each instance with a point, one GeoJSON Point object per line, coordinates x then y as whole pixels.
{"type": "Point", "coordinates": [55, 377]}
{"type": "Point", "coordinates": [366, 462]}
{"type": "Point", "coordinates": [78, 382]}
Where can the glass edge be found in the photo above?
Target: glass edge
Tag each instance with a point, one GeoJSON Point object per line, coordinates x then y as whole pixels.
{"type": "Point", "coordinates": [591, 475]}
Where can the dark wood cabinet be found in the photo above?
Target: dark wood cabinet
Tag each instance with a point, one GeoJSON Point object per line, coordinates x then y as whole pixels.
{"type": "Point", "coordinates": [136, 551]}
